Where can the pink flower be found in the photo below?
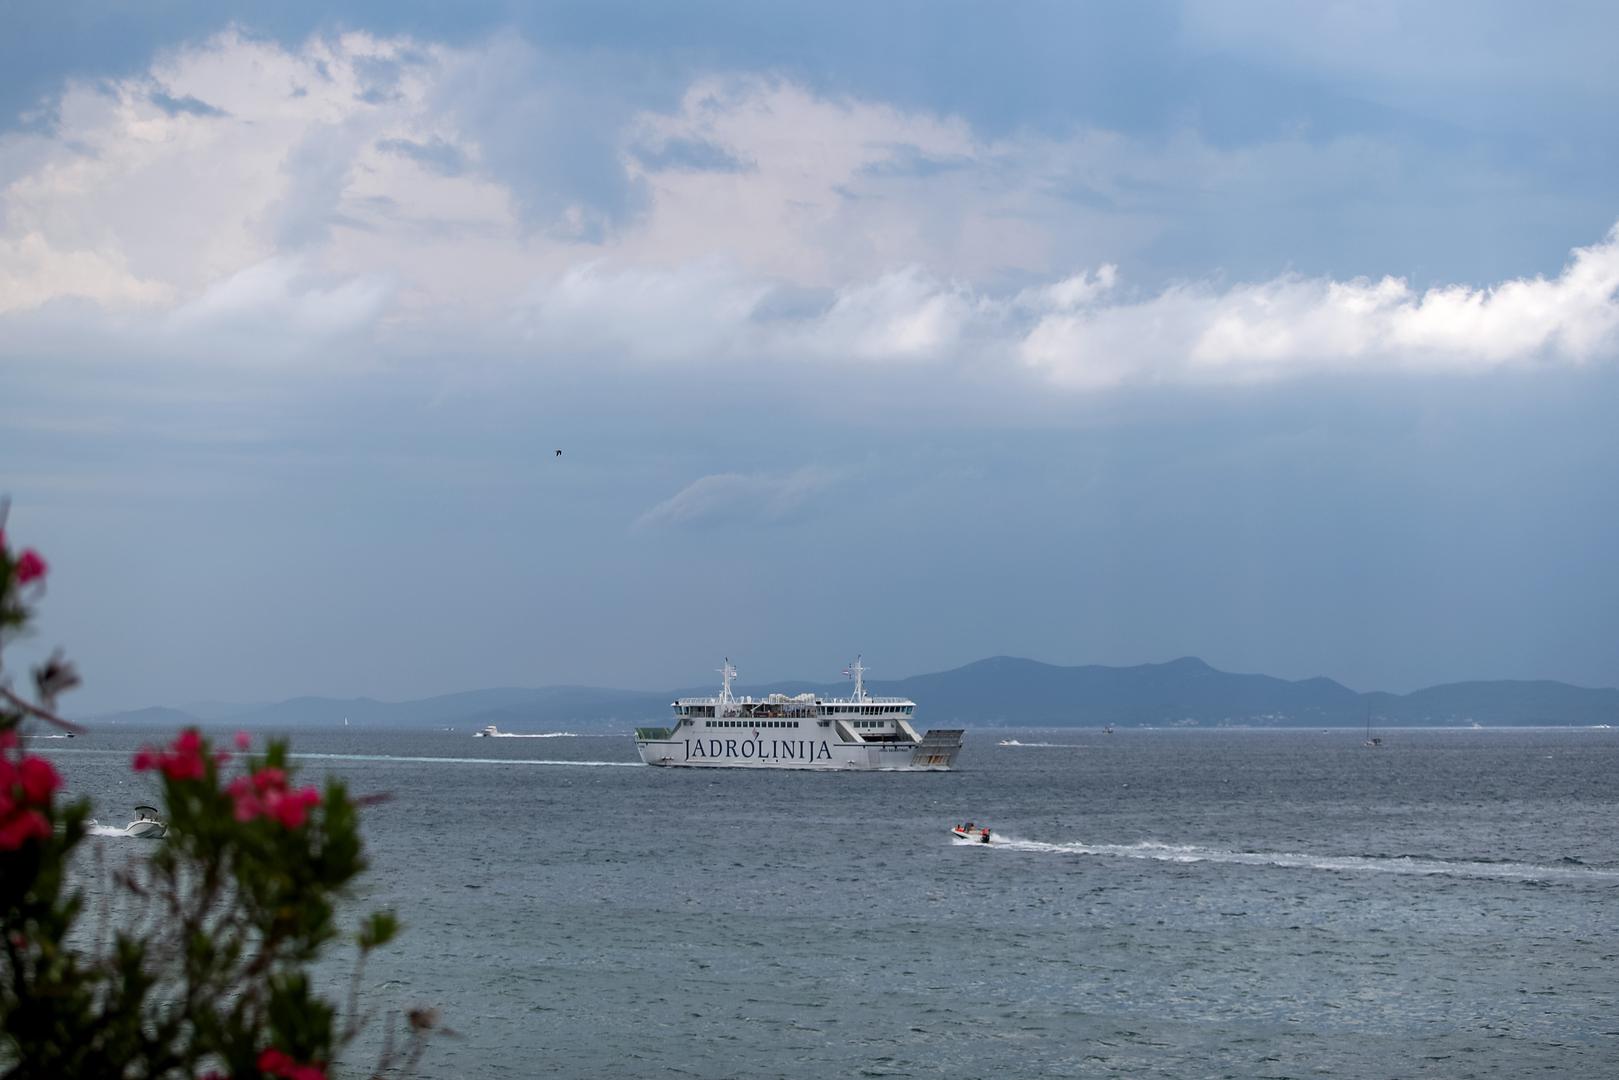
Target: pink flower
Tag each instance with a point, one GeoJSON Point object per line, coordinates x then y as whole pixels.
{"type": "Point", "coordinates": [243, 740]}
{"type": "Point", "coordinates": [274, 1062]}
{"type": "Point", "coordinates": [38, 778]}
{"type": "Point", "coordinates": [25, 789]}
{"type": "Point", "coordinates": [29, 566]}
{"type": "Point", "coordinates": [21, 826]}
{"type": "Point", "coordinates": [292, 808]}
{"type": "Point", "coordinates": [247, 804]}
{"type": "Point", "coordinates": [269, 778]}
{"type": "Point", "coordinates": [265, 794]}
{"type": "Point", "coordinates": [183, 760]}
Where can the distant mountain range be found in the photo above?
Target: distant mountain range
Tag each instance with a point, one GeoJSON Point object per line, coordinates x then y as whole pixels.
{"type": "Point", "coordinates": [1003, 691]}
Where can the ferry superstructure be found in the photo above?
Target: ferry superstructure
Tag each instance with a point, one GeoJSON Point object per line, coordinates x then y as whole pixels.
{"type": "Point", "coordinates": [803, 731]}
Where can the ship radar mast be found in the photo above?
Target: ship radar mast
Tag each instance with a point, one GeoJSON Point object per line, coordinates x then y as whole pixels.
{"type": "Point", "coordinates": [727, 673]}
{"type": "Point", "coordinates": [857, 671]}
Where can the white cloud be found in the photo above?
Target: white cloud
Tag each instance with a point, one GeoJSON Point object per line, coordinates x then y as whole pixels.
{"type": "Point", "coordinates": [33, 273]}
{"type": "Point", "coordinates": [760, 498]}
{"type": "Point", "coordinates": [1080, 333]}
{"type": "Point", "coordinates": [696, 313]}
{"type": "Point", "coordinates": [1292, 326]}
{"type": "Point", "coordinates": [272, 201]}
{"type": "Point", "coordinates": [277, 301]}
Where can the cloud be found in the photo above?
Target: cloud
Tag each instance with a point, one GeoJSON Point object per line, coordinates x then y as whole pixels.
{"type": "Point", "coordinates": [174, 106]}
{"type": "Point", "coordinates": [699, 313]}
{"type": "Point", "coordinates": [756, 498]}
{"type": "Point", "coordinates": [1293, 326]}
{"type": "Point", "coordinates": [269, 305]}
{"type": "Point", "coordinates": [435, 154]}
{"type": "Point", "coordinates": [695, 155]}
{"type": "Point", "coordinates": [1083, 333]}
{"type": "Point", "coordinates": [388, 190]}
{"type": "Point", "coordinates": [33, 273]}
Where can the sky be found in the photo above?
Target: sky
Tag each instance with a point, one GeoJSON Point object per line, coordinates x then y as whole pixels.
{"type": "Point", "coordinates": [1280, 335]}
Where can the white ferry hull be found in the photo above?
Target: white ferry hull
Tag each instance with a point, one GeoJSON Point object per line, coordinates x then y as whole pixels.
{"type": "Point", "coordinates": [803, 731]}
{"type": "Point", "coordinates": [709, 752]}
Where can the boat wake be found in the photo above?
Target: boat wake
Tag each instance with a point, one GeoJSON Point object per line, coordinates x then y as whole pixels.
{"type": "Point", "coordinates": [1569, 871]}
{"type": "Point", "coordinates": [108, 830]}
{"type": "Point", "coordinates": [1042, 745]}
{"type": "Point", "coordinates": [540, 735]}
{"type": "Point", "coordinates": [470, 760]}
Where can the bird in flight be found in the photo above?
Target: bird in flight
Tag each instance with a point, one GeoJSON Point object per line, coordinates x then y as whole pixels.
{"type": "Point", "coordinates": [559, 453]}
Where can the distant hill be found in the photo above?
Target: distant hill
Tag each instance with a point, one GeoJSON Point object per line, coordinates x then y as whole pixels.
{"type": "Point", "coordinates": [155, 716]}
{"type": "Point", "coordinates": [1002, 691]}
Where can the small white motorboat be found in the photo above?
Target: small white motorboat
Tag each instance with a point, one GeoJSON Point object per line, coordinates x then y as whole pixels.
{"type": "Point", "coordinates": [488, 732]}
{"type": "Point", "coordinates": [146, 826]}
{"type": "Point", "coordinates": [975, 834]}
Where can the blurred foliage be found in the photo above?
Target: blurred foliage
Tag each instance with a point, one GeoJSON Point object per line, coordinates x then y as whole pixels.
{"type": "Point", "coordinates": [211, 978]}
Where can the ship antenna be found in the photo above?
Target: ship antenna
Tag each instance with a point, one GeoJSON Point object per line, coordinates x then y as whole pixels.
{"type": "Point", "coordinates": [859, 671]}
{"type": "Point", "coordinates": [727, 673]}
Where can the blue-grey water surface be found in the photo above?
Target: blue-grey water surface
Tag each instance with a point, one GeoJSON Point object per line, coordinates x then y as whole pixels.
{"type": "Point", "coordinates": [1169, 904]}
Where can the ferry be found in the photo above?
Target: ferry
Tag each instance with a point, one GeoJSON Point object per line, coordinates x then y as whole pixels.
{"type": "Point", "coordinates": [802, 731]}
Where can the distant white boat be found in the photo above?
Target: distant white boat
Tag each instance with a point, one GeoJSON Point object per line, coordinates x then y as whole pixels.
{"type": "Point", "coordinates": [1373, 741]}
{"type": "Point", "coordinates": [488, 732]}
{"type": "Point", "coordinates": [970, 833]}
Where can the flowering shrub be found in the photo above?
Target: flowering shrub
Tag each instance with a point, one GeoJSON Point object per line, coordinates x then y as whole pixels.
{"type": "Point", "coordinates": [26, 785]}
{"type": "Point", "coordinates": [211, 979]}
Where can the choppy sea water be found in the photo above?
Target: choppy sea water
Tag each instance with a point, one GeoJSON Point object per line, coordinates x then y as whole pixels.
{"type": "Point", "coordinates": [1165, 904]}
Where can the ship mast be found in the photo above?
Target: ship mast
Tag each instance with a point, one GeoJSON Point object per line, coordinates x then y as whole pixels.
{"type": "Point", "coordinates": [727, 673]}
{"type": "Point", "coordinates": [858, 671]}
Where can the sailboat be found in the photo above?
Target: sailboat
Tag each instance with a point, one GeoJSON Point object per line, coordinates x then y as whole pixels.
{"type": "Point", "coordinates": [1373, 741]}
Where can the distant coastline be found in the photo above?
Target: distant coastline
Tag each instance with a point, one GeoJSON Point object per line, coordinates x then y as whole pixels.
{"type": "Point", "coordinates": [999, 692]}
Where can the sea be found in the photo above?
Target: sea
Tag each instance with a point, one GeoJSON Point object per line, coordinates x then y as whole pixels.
{"type": "Point", "coordinates": [1158, 903]}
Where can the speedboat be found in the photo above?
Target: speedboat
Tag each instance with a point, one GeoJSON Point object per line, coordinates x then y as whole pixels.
{"type": "Point", "coordinates": [488, 732]}
{"type": "Point", "coordinates": [970, 833]}
{"type": "Point", "coordinates": [146, 826]}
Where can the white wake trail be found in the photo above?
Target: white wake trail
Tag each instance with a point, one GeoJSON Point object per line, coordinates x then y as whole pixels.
{"type": "Point", "coordinates": [471, 760]}
{"type": "Point", "coordinates": [1369, 864]}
